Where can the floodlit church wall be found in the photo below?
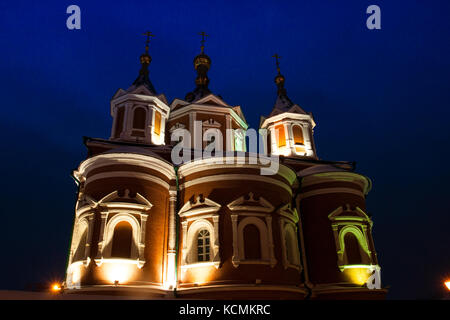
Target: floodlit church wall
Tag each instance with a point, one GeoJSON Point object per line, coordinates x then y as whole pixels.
{"type": "Point", "coordinates": [269, 268]}
{"type": "Point", "coordinates": [317, 202]}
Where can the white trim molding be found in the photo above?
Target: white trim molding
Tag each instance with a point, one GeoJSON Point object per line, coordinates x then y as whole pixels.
{"type": "Point", "coordinates": [199, 206]}
{"type": "Point", "coordinates": [255, 212]}
{"type": "Point", "coordinates": [125, 158]}
{"type": "Point", "coordinates": [347, 220]}
{"type": "Point", "coordinates": [140, 97]}
{"type": "Point", "coordinates": [265, 237]}
{"type": "Point", "coordinates": [325, 177]}
{"type": "Point", "coordinates": [196, 216]}
{"type": "Point", "coordinates": [231, 162]}
{"type": "Point", "coordinates": [83, 228]}
{"type": "Point", "coordinates": [112, 212]}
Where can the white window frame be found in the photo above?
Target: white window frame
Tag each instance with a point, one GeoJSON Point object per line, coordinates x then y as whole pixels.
{"type": "Point", "coordinates": [195, 216]}
{"type": "Point", "coordinates": [260, 210]}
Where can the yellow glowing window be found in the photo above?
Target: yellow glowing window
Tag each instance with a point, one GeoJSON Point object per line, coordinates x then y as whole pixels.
{"type": "Point", "coordinates": [157, 123]}
{"type": "Point", "coordinates": [298, 135]}
{"type": "Point", "coordinates": [299, 149]}
{"type": "Point", "coordinates": [279, 129]}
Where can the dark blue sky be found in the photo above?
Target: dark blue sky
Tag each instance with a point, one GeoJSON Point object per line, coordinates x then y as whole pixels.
{"type": "Point", "coordinates": [379, 97]}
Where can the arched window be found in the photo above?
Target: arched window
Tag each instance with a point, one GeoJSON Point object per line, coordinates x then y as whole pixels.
{"type": "Point", "coordinates": [122, 240]}
{"type": "Point", "coordinates": [298, 135]}
{"type": "Point", "coordinates": [119, 122]}
{"type": "Point", "coordinates": [252, 242]}
{"type": "Point", "coordinates": [352, 249]}
{"type": "Point", "coordinates": [198, 242]}
{"type": "Point", "coordinates": [203, 246]}
{"type": "Point", "coordinates": [157, 127]}
{"type": "Point", "coordinates": [279, 130]}
{"type": "Point", "coordinates": [81, 248]}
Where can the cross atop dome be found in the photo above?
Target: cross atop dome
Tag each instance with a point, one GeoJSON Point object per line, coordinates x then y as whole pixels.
{"type": "Point", "coordinates": [148, 34]}
{"type": "Point", "coordinates": [145, 59]}
{"type": "Point", "coordinates": [283, 103]}
{"type": "Point", "coordinates": [276, 56]}
{"type": "Point", "coordinates": [204, 35]}
{"type": "Point", "coordinates": [202, 63]}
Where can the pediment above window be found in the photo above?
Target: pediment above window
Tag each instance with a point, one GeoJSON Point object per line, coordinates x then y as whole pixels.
{"type": "Point", "coordinates": [211, 123]}
{"type": "Point", "coordinates": [177, 126]}
{"type": "Point", "coordinates": [289, 212]}
{"type": "Point", "coordinates": [116, 200]}
{"type": "Point", "coordinates": [212, 99]}
{"type": "Point", "coordinates": [346, 213]}
{"type": "Point", "coordinates": [142, 90]}
{"type": "Point", "coordinates": [116, 196]}
{"type": "Point", "coordinates": [199, 206]}
{"type": "Point", "coordinates": [249, 203]}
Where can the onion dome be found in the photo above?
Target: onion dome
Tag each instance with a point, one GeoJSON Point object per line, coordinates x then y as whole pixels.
{"type": "Point", "coordinates": [202, 63]}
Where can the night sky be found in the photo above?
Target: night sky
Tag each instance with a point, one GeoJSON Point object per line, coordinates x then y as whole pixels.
{"type": "Point", "coordinates": [379, 97]}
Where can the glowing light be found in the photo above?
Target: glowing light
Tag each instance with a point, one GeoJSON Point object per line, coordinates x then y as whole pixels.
{"type": "Point", "coordinates": [119, 271]}
{"type": "Point", "coordinates": [171, 275]}
{"type": "Point", "coordinates": [199, 273]}
{"type": "Point", "coordinates": [447, 284]}
{"type": "Point", "coordinates": [56, 287]}
{"type": "Point", "coordinates": [358, 275]}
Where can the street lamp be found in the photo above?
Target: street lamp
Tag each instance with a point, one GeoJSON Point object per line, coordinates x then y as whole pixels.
{"type": "Point", "coordinates": [56, 287]}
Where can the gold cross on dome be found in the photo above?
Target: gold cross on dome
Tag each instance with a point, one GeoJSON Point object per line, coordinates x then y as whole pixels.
{"type": "Point", "coordinates": [276, 56]}
{"type": "Point", "coordinates": [148, 34]}
{"type": "Point", "coordinates": [204, 35]}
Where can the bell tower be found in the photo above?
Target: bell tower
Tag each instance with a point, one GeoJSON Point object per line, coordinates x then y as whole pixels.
{"type": "Point", "coordinates": [290, 128]}
{"type": "Point", "coordinates": [139, 113]}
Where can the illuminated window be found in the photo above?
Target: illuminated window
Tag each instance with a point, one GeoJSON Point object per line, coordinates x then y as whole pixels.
{"type": "Point", "coordinates": [119, 122]}
{"type": "Point", "coordinates": [298, 134]}
{"type": "Point", "coordinates": [157, 129]}
{"type": "Point", "coordinates": [198, 241]}
{"type": "Point", "coordinates": [279, 129]}
{"type": "Point", "coordinates": [252, 242]}
{"type": "Point", "coordinates": [203, 246]}
{"type": "Point", "coordinates": [122, 240]}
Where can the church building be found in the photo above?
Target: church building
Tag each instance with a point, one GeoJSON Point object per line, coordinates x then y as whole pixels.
{"type": "Point", "coordinates": [216, 227]}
